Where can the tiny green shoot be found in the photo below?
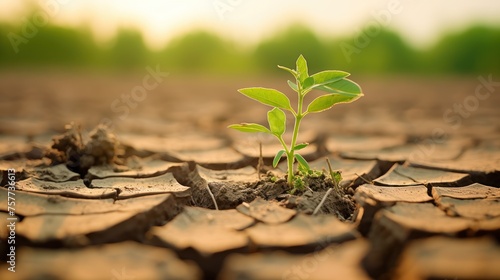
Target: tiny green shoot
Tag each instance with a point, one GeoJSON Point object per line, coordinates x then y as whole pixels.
{"type": "Point", "coordinates": [339, 89]}
{"type": "Point", "coordinates": [335, 175]}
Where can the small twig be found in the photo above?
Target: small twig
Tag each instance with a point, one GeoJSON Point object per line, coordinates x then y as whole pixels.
{"type": "Point", "coordinates": [322, 201]}
{"type": "Point", "coordinates": [331, 171]}
{"type": "Point", "coordinates": [213, 197]}
{"type": "Point", "coordinates": [80, 133]}
{"type": "Point", "coordinates": [335, 183]}
{"type": "Point", "coordinates": [366, 181]}
{"type": "Point", "coordinates": [260, 164]}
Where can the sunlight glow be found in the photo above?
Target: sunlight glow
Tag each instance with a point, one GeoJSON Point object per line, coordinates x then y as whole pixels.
{"type": "Point", "coordinates": [420, 22]}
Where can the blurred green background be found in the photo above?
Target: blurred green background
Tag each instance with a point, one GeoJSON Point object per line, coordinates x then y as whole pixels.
{"type": "Point", "coordinates": [471, 50]}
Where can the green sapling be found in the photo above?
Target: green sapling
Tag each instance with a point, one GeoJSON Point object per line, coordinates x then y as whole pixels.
{"type": "Point", "coordinates": [339, 89]}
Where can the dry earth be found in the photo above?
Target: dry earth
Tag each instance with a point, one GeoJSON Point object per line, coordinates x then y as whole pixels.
{"type": "Point", "coordinates": [421, 156]}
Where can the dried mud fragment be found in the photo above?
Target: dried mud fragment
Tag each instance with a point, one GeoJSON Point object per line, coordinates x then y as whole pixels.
{"type": "Point", "coordinates": [482, 163]}
{"type": "Point", "coordinates": [205, 236]}
{"type": "Point", "coordinates": [174, 142]}
{"type": "Point", "coordinates": [372, 199]}
{"type": "Point", "coordinates": [135, 187]}
{"type": "Point", "coordinates": [220, 158]}
{"type": "Point", "coordinates": [383, 194]}
{"type": "Point", "coordinates": [481, 159]}
{"type": "Point", "coordinates": [395, 226]}
{"type": "Point", "coordinates": [207, 231]}
{"type": "Point", "coordinates": [405, 152]}
{"type": "Point", "coordinates": [20, 147]}
{"type": "Point", "coordinates": [20, 173]}
{"type": "Point", "coordinates": [266, 211]}
{"type": "Point", "coordinates": [478, 209]}
{"type": "Point", "coordinates": [73, 189]}
{"type": "Point", "coordinates": [12, 146]}
{"type": "Point", "coordinates": [475, 201]}
{"type": "Point", "coordinates": [326, 262]}
{"type": "Point", "coordinates": [357, 143]}
{"type": "Point", "coordinates": [59, 221]}
{"type": "Point", "coordinates": [33, 204]}
{"type": "Point", "coordinates": [54, 173]}
{"type": "Point", "coordinates": [134, 168]}
{"type": "Point", "coordinates": [302, 232]}
{"type": "Point", "coordinates": [472, 191]}
{"type": "Point", "coordinates": [450, 258]}
{"type": "Point", "coordinates": [400, 175]}
{"type": "Point", "coordinates": [127, 260]}
{"type": "Point", "coordinates": [241, 175]}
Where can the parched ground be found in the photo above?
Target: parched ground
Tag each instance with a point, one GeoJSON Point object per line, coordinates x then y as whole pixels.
{"type": "Point", "coordinates": [421, 155]}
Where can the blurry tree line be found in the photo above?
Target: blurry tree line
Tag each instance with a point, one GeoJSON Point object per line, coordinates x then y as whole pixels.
{"type": "Point", "coordinates": [475, 50]}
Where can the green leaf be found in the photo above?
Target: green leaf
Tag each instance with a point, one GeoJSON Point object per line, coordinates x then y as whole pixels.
{"type": "Point", "coordinates": [268, 96]}
{"type": "Point", "coordinates": [277, 121]}
{"type": "Point", "coordinates": [300, 146]}
{"type": "Point", "coordinates": [302, 161]}
{"type": "Point", "coordinates": [344, 87]}
{"type": "Point", "coordinates": [328, 77]}
{"type": "Point", "coordinates": [308, 82]}
{"type": "Point", "coordinates": [293, 85]}
{"type": "Point", "coordinates": [291, 71]}
{"type": "Point", "coordinates": [327, 101]}
{"type": "Point", "coordinates": [250, 127]}
{"type": "Point", "coordinates": [302, 71]}
{"type": "Point", "coordinates": [304, 170]}
{"type": "Point", "coordinates": [336, 176]}
{"type": "Point", "coordinates": [277, 158]}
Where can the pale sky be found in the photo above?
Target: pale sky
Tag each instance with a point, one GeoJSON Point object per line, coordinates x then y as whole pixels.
{"type": "Point", "coordinates": [419, 21]}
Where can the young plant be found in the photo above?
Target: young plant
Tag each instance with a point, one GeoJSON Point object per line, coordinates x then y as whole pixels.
{"type": "Point", "coordinates": [339, 89]}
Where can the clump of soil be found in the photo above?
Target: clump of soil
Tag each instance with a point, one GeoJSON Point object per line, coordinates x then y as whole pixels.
{"type": "Point", "coordinates": [229, 195]}
{"type": "Point", "coordinates": [102, 147]}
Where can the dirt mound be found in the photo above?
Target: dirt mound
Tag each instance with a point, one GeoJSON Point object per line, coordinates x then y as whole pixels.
{"type": "Point", "coordinates": [80, 154]}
